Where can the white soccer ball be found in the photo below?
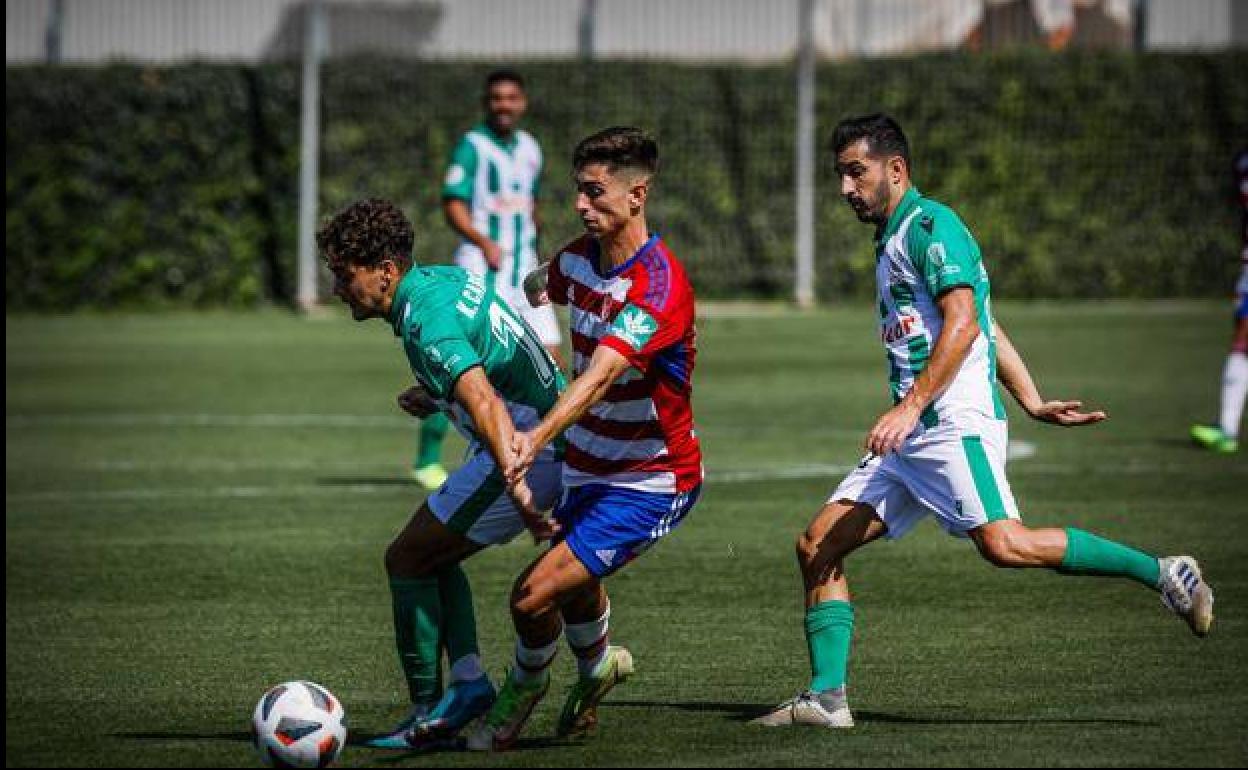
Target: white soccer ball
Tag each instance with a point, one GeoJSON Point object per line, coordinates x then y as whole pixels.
{"type": "Point", "coordinates": [299, 724]}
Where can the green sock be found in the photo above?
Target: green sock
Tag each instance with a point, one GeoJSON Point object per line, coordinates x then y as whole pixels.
{"type": "Point", "coordinates": [1087, 554]}
{"type": "Point", "coordinates": [417, 624]}
{"type": "Point", "coordinates": [829, 627]}
{"type": "Point", "coordinates": [432, 431]}
{"type": "Point", "coordinates": [459, 622]}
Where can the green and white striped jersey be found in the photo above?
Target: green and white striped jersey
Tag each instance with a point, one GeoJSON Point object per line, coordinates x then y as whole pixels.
{"type": "Point", "coordinates": [923, 251]}
{"type": "Point", "coordinates": [498, 179]}
{"type": "Point", "coordinates": [450, 322]}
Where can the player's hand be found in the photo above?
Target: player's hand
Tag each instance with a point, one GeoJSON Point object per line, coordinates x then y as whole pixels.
{"type": "Point", "coordinates": [416, 402]}
{"type": "Point", "coordinates": [892, 429]}
{"type": "Point", "coordinates": [523, 452]}
{"type": "Point", "coordinates": [542, 528]}
{"type": "Point", "coordinates": [493, 255]}
{"type": "Point", "coordinates": [535, 286]}
{"type": "Point", "coordinates": [1066, 413]}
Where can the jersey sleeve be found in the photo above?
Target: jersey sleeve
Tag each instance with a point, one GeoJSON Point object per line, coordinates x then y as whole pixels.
{"type": "Point", "coordinates": [943, 252]}
{"type": "Point", "coordinates": [556, 282]}
{"type": "Point", "coordinates": [447, 354]}
{"type": "Point", "coordinates": [460, 172]}
{"type": "Point", "coordinates": [640, 333]}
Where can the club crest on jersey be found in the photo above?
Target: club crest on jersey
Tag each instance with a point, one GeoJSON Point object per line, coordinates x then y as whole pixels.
{"type": "Point", "coordinates": [634, 326]}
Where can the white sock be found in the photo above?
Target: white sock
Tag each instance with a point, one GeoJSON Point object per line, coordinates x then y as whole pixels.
{"type": "Point", "coordinates": [531, 664]}
{"type": "Point", "coordinates": [589, 642]}
{"type": "Point", "coordinates": [1234, 388]}
{"type": "Point", "coordinates": [467, 669]}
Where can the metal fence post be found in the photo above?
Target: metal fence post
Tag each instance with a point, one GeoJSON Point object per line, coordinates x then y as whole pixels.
{"type": "Point", "coordinates": [804, 288]}
{"type": "Point", "coordinates": [314, 41]}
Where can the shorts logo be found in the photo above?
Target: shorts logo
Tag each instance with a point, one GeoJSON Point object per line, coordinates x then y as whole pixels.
{"type": "Point", "coordinates": [606, 556]}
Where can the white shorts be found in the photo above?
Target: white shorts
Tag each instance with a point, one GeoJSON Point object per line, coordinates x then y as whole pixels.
{"type": "Point", "coordinates": [954, 472]}
{"type": "Point", "coordinates": [474, 500]}
{"type": "Point", "coordinates": [541, 319]}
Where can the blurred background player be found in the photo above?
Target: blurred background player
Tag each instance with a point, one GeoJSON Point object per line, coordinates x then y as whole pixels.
{"type": "Point", "coordinates": [478, 362]}
{"type": "Point", "coordinates": [489, 197]}
{"type": "Point", "coordinates": [633, 463]}
{"type": "Point", "coordinates": [941, 449]}
{"type": "Point", "coordinates": [1223, 436]}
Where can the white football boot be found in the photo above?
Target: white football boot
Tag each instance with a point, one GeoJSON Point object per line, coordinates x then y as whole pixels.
{"type": "Point", "coordinates": [1185, 592]}
{"type": "Point", "coordinates": [826, 709]}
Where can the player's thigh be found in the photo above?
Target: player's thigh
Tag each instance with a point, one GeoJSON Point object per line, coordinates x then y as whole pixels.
{"type": "Point", "coordinates": [868, 503]}
{"type": "Point", "coordinates": [426, 545]}
{"type": "Point", "coordinates": [840, 527]}
{"type": "Point", "coordinates": [554, 577]}
{"type": "Point", "coordinates": [956, 472]}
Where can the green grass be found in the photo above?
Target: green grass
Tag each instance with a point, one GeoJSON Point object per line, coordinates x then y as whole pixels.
{"type": "Point", "coordinates": [178, 539]}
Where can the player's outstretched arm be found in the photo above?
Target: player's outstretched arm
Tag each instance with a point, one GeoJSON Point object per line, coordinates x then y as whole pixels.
{"type": "Point", "coordinates": [477, 396]}
{"type": "Point", "coordinates": [1013, 374]}
{"type": "Point", "coordinates": [605, 367]}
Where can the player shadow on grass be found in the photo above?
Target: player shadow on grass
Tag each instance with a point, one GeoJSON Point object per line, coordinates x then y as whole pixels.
{"type": "Point", "coordinates": [243, 736]}
{"type": "Point", "coordinates": [744, 712]}
{"type": "Point", "coordinates": [355, 740]}
{"type": "Point", "coordinates": [524, 744]}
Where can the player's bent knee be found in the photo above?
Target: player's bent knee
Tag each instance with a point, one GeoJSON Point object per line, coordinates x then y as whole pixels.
{"type": "Point", "coordinates": [529, 598]}
{"type": "Point", "coordinates": [1003, 549]}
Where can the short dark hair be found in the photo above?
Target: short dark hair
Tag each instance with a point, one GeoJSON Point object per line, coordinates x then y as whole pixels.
{"type": "Point", "coordinates": [619, 147]}
{"type": "Point", "coordinates": [883, 134]}
{"type": "Point", "coordinates": [503, 76]}
{"type": "Point", "coordinates": [365, 234]}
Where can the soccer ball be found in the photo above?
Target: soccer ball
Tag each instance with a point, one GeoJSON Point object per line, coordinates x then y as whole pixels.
{"type": "Point", "coordinates": [299, 724]}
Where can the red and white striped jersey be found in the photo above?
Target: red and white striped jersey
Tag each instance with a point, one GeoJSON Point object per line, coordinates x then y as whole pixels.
{"type": "Point", "coordinates": [641, 434]}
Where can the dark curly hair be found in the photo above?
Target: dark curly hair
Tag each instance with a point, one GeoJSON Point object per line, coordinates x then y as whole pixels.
{"type": "Point", "coordinates": [619, 147]}
{"type": "Point", "coordinates": [366, 233]}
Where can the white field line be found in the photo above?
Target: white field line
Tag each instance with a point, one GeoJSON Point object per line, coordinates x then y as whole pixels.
{"type": "Point", "coordinates": [387, 487]}
{"type": "Point", "coordinates": [209, 420]}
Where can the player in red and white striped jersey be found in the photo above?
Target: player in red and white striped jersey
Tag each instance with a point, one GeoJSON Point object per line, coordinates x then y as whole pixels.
{"type": "Point", "coordinates": [633, 466]}
{"type": "Point", "coordinates": [640, 434]}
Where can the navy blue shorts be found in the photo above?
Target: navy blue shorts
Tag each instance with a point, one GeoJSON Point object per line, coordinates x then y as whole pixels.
{"type": "Point", "coordinates": [1241, 310]}
{"type": "Point", "coordinates": [608, 526]}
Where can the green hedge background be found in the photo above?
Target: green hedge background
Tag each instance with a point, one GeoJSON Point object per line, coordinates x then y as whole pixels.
{"type": "Point", "coordinates": [1081, 174]}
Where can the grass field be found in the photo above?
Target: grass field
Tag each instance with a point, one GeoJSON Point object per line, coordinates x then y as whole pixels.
{"type": "Point", "coordinates": [197, 505]}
